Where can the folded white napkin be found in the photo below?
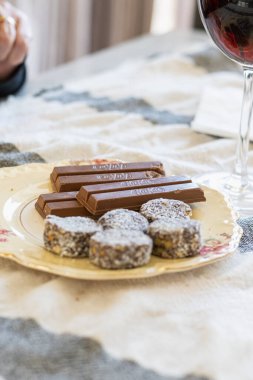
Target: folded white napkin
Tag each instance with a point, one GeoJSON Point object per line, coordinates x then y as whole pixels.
{"type": "Point", "coordinates": [220, 106]}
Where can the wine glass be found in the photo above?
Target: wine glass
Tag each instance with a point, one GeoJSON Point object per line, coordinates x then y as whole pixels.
{"type": "Point", "coordinates": [230, 25]}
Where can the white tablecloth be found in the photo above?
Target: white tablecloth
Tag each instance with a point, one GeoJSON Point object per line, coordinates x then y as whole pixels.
{"type": "Point", "coordinates": [194, 325]}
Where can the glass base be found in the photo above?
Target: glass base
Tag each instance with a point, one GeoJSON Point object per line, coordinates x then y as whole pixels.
{"type": "Point", "coordinates": [240, 196]}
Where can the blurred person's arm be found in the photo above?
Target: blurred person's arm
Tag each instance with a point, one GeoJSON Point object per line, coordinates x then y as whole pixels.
{"type": "Point", "coordinates": [15, 34]}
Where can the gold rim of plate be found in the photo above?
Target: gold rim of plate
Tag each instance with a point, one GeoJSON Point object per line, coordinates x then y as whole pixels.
{"type": "Point", "coordinates": [21, 230]}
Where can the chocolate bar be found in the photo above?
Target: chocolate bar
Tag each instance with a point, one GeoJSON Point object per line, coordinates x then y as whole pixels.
{"type": "Point", "coordinates": [74, 182]}
{"type": "Point", "coordinates": [88, 190]}
{"type": "Point", "coordinates": [100, 203]}
{"type": "Point", "coordinates": [155, 166]}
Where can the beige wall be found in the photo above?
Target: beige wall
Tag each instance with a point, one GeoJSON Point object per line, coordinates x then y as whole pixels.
{"type": "Point", "coordinates": [185, 13]}
{"type": "Point", "coordinates": [172, 14]}
{"type": "Point", "coordinates": [64, 30]}
{"type": "Point", "coordinates": [61, 31]}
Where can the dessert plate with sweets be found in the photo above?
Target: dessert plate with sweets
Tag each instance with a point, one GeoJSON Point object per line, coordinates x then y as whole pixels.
{"type": "Point", "coordinates": [111, 220]}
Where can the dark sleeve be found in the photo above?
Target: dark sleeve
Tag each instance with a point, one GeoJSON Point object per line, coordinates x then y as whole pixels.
{"type": "Point", "coordinates": [13, 83]}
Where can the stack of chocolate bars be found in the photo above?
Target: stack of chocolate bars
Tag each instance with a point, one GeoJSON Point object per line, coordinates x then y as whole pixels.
{"type": "Point", "coordinates": [92, 190]}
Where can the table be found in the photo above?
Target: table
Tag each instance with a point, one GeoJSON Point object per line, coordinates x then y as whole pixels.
{"type": "Point", "coordinates": [188, 326]}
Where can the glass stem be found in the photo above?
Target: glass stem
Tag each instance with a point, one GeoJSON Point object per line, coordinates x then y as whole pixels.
{"type": "Point", "coordinates": [242, 153]}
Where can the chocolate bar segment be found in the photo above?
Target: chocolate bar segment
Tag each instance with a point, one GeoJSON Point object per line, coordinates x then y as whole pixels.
{"type": "Point", "coordinates": [65, 209]}
{"type": "Point", "coordinates": [107, 168]}
{"type": "Point", "coordinates": [72, 183]}
{"type": "Point", "coordinates": [55, 197]}
{"type": "Point", "coordinates": [133, 199]}
{"type": "Point", "coordinates": [88, 190]}
{"type": "Point", "coordinates": [40, 210]}
{"type": "Point", "coordinates": [60, 204]}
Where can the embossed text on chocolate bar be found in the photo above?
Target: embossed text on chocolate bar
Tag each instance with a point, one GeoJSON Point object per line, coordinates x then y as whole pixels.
{"type": "Point", "coordinates": [118, 167]}
{"type": "Point", "coordinates": [133, 199]}
{"type": "Point", "coordinates": [88, 190]}
{"type": "Point", "coordinates": [72, 183]}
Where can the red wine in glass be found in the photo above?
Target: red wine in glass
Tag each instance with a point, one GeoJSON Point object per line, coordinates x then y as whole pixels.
{"type": "Point", "coordinates": [230, 24]}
